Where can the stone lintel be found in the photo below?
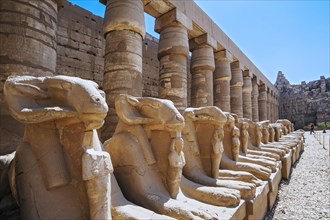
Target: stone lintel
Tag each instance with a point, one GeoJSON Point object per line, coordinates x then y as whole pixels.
{"type": "Point", "coordinates": [247, 73]}
{"type": "Point", "coordinates": [173, 17]}
{"type": "Point", "coordinates": [203, 41]}
{"type": "Point", "coordinates": [237, 65]}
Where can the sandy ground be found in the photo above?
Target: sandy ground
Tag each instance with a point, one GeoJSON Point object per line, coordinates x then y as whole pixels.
{"type": "Point", "coordinates": [306, 195]}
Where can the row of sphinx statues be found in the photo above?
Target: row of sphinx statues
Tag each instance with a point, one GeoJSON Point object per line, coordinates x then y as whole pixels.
{"type": "Point", "coordinates": [159, 163]}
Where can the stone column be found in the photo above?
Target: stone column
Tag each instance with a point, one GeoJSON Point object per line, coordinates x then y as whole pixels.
{"type": "Point", "coordinates": [236, 84]}
{"type": "Point", "coordinates": [27, 47]}
{"type": "Point", "coordinates": [221, 80]}
{"type": "Point", "coordinates": [273, 107]}
{"type": "Point", "coordinates": [268, 105]}
{"type": "Point", "coordinates": [277, 109]}
{"type": "Point", "coordinates": [255, 96]}
{"type": "Point", "coordinates": [247, 96]}
{"type": "Point", "coordinates": [202, 67]}
{"type": "Point", "coordinates": [124, 30]}
{"type": "Point", "coordinates": [262, 99]}
{"type": "Point", "coordinates": [173, 52]}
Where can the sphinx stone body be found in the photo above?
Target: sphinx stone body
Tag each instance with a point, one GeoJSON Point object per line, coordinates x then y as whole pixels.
{"type": "Point", "coordinates": [146, 151]}
{"type": "Point", "coordinates": [55, 160]}
{"type": "Point", "coordinates": [203, 134]}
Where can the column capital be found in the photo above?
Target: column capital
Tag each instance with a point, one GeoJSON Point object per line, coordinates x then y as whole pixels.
{"type": "Point", "coordinates": [255, 81]}
{"type": "Point", "coordinates": [262, 88]}
{"type": "Point", "coordinates": [223, 55]}
{"type": "Point", "coordinates": [204, 40]}
{"type": "Point", "coordinates": [124, 15]}
{"type": "Point", "coordinates": [248, 73]}
{"type": "Point", "coordinates": [237, 65]}
{"type": "Point", "coordinates": [173, 18]}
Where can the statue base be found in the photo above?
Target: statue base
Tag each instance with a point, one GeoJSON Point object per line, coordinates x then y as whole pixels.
{"type": "Point", "coordinates": [274, 182]}
{"type": "Point", "coordinates": [286, 165]}
{"type": "Point", "coordinates": [236, 212]}
{"type": "Point", "coordinates": [257, 208]}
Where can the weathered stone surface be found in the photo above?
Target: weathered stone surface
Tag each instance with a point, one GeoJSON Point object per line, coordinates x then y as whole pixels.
{"type": "Point", "coordinates": [262, 102]}
{"type": "Point", "coordinates": [203, 134]}
{"type": "Point", "coordinates": [52, 163]}
{"type": "Point", "coordinates": [305, 103]}
{"type": "Point", "coordinates": [124, 15]}
{"type": "Point", "coordinates": [236, 92]}
{"type": "Point", "coordinates": [27, 47]}
{"type": "Point", "coordinates": [124, 31]}
{"type": "Point", "coordinates": [173, 55]}
{"type": "Point", "coordinates": [80, 43]}
{"type": "Point", "coordinates": [146, 151]}
{"type": "Point", "coordinates": [222, 77]}
{"type": "Point", "coordinates": [255, 96]}
{"type": "Point", "coordinates": [202, 67]}
{"type": "Point", "coordinates": [247, 97]}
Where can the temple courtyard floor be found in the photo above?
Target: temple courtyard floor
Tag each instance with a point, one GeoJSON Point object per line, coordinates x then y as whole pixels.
{"type": "Point", "coordinates": [306, 194]}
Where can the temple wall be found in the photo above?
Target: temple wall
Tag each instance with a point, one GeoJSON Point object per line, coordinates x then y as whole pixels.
{"type": "Point", "coordinates": [304, 103]}
{"type": "Point", "coordinates": [80, 50]}
{"type": "Point", "coordinates": [80, 43]}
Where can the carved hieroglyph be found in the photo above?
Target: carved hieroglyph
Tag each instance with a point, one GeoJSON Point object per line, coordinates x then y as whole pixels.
{"type": "Point", "coordinates": [60, 162]}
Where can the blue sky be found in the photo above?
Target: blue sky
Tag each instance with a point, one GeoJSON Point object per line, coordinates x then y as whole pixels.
{"type": "Point", "coordinates": [291, 36]}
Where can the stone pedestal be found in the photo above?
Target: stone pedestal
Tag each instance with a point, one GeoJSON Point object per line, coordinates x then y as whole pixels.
{"type": "Point", "coordinates": [247, 97]}
{"type": "Point", "coordinates": [237, 212]}
{"type": "Point", "coordinates": [202, 67]}
{"type": "Point", "coordinates": [257, 208]}
{"type": "Point", "coordinates": [255, 96]}
{"type": "Point", "coordinates": [286, 165]}
{"type": "Point", "coordinates": [236, 83]}
{"type": "Point", "coordinates": [124, 30]}
{"type": "Point", "coordinates": [173, 52]}
{"type": "Point", "coordinates": [262, 100]}
{"type": "Point", "coordinates": [222, 77]}
{"type": "Point", "coordinates": [274, 182]}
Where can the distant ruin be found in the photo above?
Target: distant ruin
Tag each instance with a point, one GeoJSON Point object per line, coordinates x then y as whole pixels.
{"type": "Point", "coordinates": [305, 103]}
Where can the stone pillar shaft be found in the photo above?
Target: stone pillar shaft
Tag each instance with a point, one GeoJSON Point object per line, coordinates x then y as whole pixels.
{"type": "Point", "coordinates": [247, 97]}
{"type": "Point", "coordinates": [268, 105]}
{"type": "Point", "coordinates": [28, 46]}
{"type": "Point", "coordinates": [124, 30]}
{"type": "Point", "coordinates": [201, 68]}
{"type": "Point", "coordinates": [273, 108]}
{"type": "Point", "coordinates": [221, 78]}
{"type": "Point", "coordinates": [173, 52]}
{"type": "Point", "coordinates": [236, 92]}
{"type": "Point", "coordinates": [28, 43]}
{"type": "Point", "coordinates": [255, 96]}
{"type": "Point", "coordinates": [262, 105]}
